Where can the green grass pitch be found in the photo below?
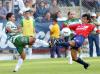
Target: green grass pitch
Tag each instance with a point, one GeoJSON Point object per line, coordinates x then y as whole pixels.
{"type": "Point", "coordinates": [51, 66]}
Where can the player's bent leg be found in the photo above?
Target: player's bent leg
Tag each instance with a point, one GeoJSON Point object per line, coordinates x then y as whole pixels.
{"type": "Point", "coordinates": [20, 61]}
{"type": "Point", "coordinates": [80, 53]}
{"type": "Point", "coordinates": [74, 54]}
{"type": "Point", "coordinates": [69, 57]}
{"type": "Point", "coordinates": [31, 40]}
{"type": "Point", "coordinates": [29, 52]}
{"type": "Point", "coordinates": [20, 43]}
{"type": "Point", "coordinates": [77, 59]}
{"type": "Point", "coordinates": [23, 55]}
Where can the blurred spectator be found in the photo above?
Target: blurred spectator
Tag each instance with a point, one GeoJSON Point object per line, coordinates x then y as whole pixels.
{"type": "Point", "coordinates": [47, 17]}
{"type": "Point", "coordinates": [68, 2]}
{"type": "Point", "coordinates": [38, 2]}
{"type": "Point", "coordinates": [41, 10]}
{"type": "Point", "coordinates": [27, 5]}
{"type": "Point", "coordinates": [47, 6]}
{"type": "Point", "coordinates": [16, 8]}
{"type": "Point", "coordinates": [19, 7]}
{"type": "Point", "coordinates": [54, 9]}
{"type": "Point", "coordinates": [30, 7]}
{"type": "Point", "coordinates": [47, 1]}
{"type": "Point", "coordinates": [3, 13]}
{"type": "Point", "coordinates": [8, 6]}
{"type": "Point", "coordinates": [60, 18]}
{"type": "Point", "coordinates": [19, 4]}
{"type": "Point", "coordinates": [54, 36]}
{"type": "Point", "coordinates": [94, 37]}
{"type": "Point", "coordinates": [30, 2]}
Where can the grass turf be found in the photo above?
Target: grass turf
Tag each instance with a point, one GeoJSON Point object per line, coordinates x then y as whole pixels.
{"type": "Point", "coordinates": [51, 66]}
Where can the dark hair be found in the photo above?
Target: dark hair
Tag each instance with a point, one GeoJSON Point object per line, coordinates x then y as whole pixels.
{"type": "Point", "coordinates": [54, 19]}
{"type": "Point", "coordinates": [28, 11]}
{"type": "Point", "coordinates": [68, 13]}
{"type": "Point", "coordinates": [88, 16]}
{"type": "Point", "coordinates": [33, 5]}
{"type": "Point", "coordinates": [9, 15]}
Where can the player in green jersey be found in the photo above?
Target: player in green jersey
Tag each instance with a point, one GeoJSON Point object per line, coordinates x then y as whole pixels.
{"type": "Point", "coordinates": [15, 36]}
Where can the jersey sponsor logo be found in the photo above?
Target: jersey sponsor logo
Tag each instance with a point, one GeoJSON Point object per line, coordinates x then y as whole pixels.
{"type": "Point", "coordinates": [82, 27]}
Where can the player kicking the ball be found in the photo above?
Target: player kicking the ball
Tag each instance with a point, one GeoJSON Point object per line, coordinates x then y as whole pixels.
{"type": "Point", "coordinates": [82, 31]}
{"type": "Point", "coordinates": [19, 41]}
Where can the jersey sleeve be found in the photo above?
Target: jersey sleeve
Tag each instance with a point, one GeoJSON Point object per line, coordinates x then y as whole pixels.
{"type": "Point", "coordinates": [92, 27]}
{"type": "Point", "coordinates": [8, 25]}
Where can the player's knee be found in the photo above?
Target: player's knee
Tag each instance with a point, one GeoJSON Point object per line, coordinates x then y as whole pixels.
{"type": "Point", "coordinates": [23, 56]}
{"type": "Point", "coordinates": [72, 43]}
{"type": "Point", "coordinates": [74, 58]}
{"type": "Point", "coordinates": [31, 40]}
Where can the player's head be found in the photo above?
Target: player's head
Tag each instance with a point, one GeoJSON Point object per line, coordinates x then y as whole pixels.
{"type": "Point", "coordinates": [10, 17]}
{"type": "Point", "coordinates": [27, 13]}
{"type": "Point", "coordinates": [31, 40]}
{"type": "Point", "coordinates": [42, 3]}
{"type": "Point", "coordinates": [71, 14]}
{"type": "Point", "coordinates": [86, 18]}
{"type": "Point", "coordinates": [59, 14]}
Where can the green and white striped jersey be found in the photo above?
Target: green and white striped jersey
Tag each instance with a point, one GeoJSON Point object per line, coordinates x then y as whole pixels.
{"type": "Point", "coordinates": [12, 35]}
{"type": "Point", "coordinates": [72, 21]}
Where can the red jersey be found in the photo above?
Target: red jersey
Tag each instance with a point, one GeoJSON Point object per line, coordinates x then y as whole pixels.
{"type": "Point", "coordinates": [82, 29]}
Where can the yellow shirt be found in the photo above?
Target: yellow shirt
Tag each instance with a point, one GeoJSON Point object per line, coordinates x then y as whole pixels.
{"type": "Point", "coordinates": [28, 28]}
{"type": "Point", "coordinates": [55, 31]}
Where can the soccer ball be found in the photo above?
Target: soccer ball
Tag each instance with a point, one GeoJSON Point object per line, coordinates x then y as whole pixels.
{"type": "Point", "coordinates": [65, 32]}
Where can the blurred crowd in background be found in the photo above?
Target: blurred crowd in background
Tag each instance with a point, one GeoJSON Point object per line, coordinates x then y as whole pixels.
{"type": "Point", "coordinates": [45, 8]}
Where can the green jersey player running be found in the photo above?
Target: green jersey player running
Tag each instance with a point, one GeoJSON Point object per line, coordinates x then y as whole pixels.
{"type": "Point", "coordinates": [15, 36]}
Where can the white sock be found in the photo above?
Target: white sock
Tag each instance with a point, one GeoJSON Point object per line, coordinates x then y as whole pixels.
{"type": "Point", "coordinates": [26, 49]}
{"type": "Point", "coordinates": [80, 54]}
{"type": "Point", "coordinates": [29, 53]}
{"type": "Point", "coordinates": [20, 61]}
{"type": "Point", "coordinates": [69, 57]}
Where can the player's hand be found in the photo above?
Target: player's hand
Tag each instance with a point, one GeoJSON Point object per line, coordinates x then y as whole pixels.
{"type": "Point", "coordinates": [8, 30]}
{"type": "Point", "coordinates": [98, 31]}
{"type": "Point", "coordinates": [50, 26]}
